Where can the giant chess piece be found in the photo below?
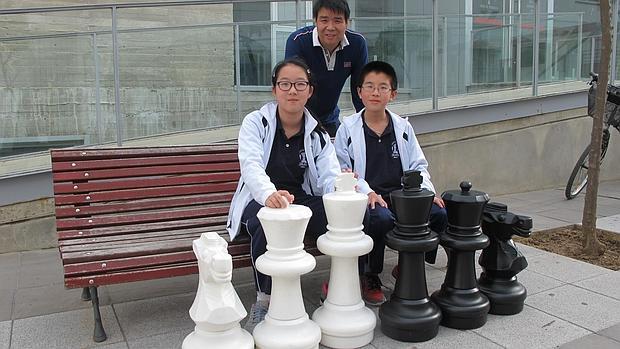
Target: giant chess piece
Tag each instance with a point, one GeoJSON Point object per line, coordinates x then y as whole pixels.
{"type": "Point", "coordinates": [461, 302]}
{"type": "Point", "coordinates": [410, 315]}
{"type": "Point", "coordinates": [217, 309]}
{"type": "Point", "coordinates": [286, 325]}
{"type": "Point", "coordinates": [344, 319]}
{"type": "Point", "coordinates": [501, 261]}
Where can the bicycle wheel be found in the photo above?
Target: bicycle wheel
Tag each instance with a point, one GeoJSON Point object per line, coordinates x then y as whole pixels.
{"type": "Point", "coordinates": [579, 177]}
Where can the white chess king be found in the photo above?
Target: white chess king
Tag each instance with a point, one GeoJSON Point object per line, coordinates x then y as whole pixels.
{"type": "Point", "coordinates": [217, 308]}
{"type": "Point", "coordinates": [344, 319]}
{"type": "Point", "coordinates": [286, 325]}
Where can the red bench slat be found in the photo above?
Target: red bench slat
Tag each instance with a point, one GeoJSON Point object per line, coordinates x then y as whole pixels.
{"type": "Point", "coordinates": [144, 193]}
{"type": "Point", "coordinates": [142, 162]}
{"type": "Point", "coordinates": [144, 171]}
{"type": "Point", "coordinates": [94, 185]}
{"type": "Point", "coordinates": [59, 155]}
{"type": "Point", "coordinates": [146, 227]}
{"type": "Point", "coordinates": [103, 221]}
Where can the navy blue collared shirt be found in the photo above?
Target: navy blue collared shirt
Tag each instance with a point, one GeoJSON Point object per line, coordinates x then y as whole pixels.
{"type": "Point", "coordinates": [383, 167]}
{"type": "Point", "coordinates": [287, 161]}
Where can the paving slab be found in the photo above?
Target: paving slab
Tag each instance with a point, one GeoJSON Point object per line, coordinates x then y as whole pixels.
{"type": "Point", "coordinates": [42, 300]}
{"type": "Point", "coordinates": [592, 341]}
{"type": "Point", "coordinates": [612, 332]}
{"type": "Point", "coordinates": [133, 291]}
{"type": "Point", "coordinates": [6, 304]}
{"type": "Point", "coordinates": [154, 316]}
{"type": "Point", "coordinates": [446, 338]}
{"type": "Point", "coordinates": [45, 256]}
{"type": "Point", "coordinates": [607, 284]}
{"type": "Point", "coordinates": [120, 345]}
{"type": "Point", "coordinates": [41, 274]}
{"type": "Point", "coordinates": [170, 340]}
{"type": "Point", "coordinates": [528, 251]}
{"type": "Point", "coordinates": [5, 334]}
{"type": "Point", "coordinates": [563, 268]}
{"type": "Point", "coordinates": [536, 283]}
{"type": "Point", "coordinates": [9, 278]}
{"type": "Point", "coordinates": [579, 306]}
{"type": "Point", "coordinates": [563, 214]}
{"type": "Point", "coordinates": [610, 223]}
{"type": "Point", "coordinates": [9, 261]}
{"type": "Point", "coordinates": [542, 223]}
{"type": "Point", "coordinates": [71, 329]}
{"type": "Point", "coordinates": [531, 328]}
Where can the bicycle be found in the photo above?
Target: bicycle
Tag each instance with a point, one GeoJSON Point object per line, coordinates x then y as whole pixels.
{"type": "Point", "coordinates": [579, 176]}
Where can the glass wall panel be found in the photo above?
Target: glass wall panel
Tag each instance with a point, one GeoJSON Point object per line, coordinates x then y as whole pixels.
{"type": "Point", "coordinates": [55, 74]}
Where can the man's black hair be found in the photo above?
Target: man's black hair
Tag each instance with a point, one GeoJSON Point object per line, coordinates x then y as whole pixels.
{"type": "Point", "coordinates": [338, 6]}
{"type": "Point", "coordinates": [379, 67]}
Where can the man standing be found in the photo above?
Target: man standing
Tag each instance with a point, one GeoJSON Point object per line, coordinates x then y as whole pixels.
{"type": "Point", "coordinates": [333, 53]}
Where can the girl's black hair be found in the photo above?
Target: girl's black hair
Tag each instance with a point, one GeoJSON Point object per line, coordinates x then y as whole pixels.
{"type": "Point", "coordinates": [302, 64]}
{"type": "Point", "coordinates": [294, 61]}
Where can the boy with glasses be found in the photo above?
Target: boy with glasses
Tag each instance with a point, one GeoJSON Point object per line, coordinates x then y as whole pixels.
{"type": "Point", "coordinates": [333, 53]}
{"type": "Point", "coordinates": [378, 146]}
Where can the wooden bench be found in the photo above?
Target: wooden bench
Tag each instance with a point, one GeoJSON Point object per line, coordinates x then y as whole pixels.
{"type": "Point", "coordinates": [131, 214]}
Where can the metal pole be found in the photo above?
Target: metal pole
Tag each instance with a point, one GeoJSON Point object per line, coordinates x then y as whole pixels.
{"type": "Point", "coordinates": [238, 71]}
{"type": "Point", "coordinates": [435, 53]}
{"type": "Point", "coordinates": [579, 46]}
{"type": "Point", "coordinates": [592, 52]}
{"type": "Point", "coordinates": [518, 53]}
{"type": "Point", "coordinates": [535, 48]}
{"type": "Point", "coordinates": [298, 5]}
{"type": "Point", "coordinates": [614, 41]}
{"type": "Point", "coordinates": [117, 82]}
{"type": "Point", "coordinates": [98, 121]}
{"type": "Point", "coordinates": [445, 57]}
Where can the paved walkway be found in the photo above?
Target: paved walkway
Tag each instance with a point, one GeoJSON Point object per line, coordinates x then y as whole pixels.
{"type": "Point", "coordinates": [570, 304]}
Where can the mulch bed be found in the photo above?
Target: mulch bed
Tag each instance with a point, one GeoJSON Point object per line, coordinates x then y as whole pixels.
{"type": "Point", "coordinates": [567, 241]}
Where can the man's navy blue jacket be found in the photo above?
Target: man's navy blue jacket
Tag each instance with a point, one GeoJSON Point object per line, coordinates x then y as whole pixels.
{"type": "Point", "coordinates": [328, 83]}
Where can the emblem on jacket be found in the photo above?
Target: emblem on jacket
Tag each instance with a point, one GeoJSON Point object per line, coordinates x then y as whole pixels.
{"type": "Point", "coordinates": [347, 64]}
{"type": "Point", "coordinates": [303, 162]}
{"type": "Point", "coordinates": [395, 153]}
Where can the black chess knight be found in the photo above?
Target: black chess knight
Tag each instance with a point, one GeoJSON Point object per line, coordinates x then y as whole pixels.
{"type": "Point", "coordinates": [501, 261]}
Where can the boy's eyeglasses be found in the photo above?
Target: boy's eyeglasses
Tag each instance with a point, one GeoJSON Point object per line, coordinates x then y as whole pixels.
{"type": "Point", "coordinates": [287, 85]}
{"type": "Point", "coordinates": [383, 89]}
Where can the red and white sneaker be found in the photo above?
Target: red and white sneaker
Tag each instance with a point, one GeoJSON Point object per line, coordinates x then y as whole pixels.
{"type": "Point", "coordinates": [372, 293]}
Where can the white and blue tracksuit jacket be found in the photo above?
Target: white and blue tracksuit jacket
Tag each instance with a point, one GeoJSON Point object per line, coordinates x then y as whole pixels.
{"type": "Point", "coordinates": [255, 142]}
{"type": "Point", "coordinates": [351, 149]}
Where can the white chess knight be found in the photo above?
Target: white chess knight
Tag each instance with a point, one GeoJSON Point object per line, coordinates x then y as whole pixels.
{"type": "Point", "coordinates": [344, 319]}
{"type": "Point", "coordinates": [217, 308]}
{"type": "Point", "coordinates": [286, 325]}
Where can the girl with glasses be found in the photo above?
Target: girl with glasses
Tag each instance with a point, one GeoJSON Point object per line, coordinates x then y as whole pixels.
{"type": "Point", "coordinates": [285, 157]}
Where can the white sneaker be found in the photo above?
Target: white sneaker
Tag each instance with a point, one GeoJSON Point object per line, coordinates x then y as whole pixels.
{"type": "Point", "coordinates": [257, 314]}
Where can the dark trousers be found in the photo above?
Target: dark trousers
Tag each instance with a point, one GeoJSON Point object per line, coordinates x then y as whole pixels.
{"type": "Point", "coordinates": [258, 246]}
{"type": "Point", "coordinates": [331, 128]}
{"type": "Point", "coordinates": [379, 221]}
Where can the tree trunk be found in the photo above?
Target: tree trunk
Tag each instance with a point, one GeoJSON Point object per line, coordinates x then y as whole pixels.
{"type": "Point", "coordinates": [591, 245]}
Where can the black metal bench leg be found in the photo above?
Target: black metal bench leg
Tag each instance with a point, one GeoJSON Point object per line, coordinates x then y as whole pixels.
{"type": "Point", "coordinates": [85, 294]}
{"type": "Point", "coordinates": [99, 334]}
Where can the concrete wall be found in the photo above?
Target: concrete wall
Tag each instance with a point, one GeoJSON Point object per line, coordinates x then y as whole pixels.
{"type": "Point", "coordinates": [517, 155]}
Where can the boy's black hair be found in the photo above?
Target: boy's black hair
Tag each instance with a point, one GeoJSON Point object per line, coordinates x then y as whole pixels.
{"type": "Point", "coordinates": [379, 67]}
{"type": "Point", "coordinates": [338, 6]}
{"type": "Point", "coordinates": [294, 61]}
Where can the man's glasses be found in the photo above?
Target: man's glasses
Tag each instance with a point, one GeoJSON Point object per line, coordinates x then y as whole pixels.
{"type": "Point", "coordinates": [370, 88]}
{"type": "Point", "coordinates": [299, 85]}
